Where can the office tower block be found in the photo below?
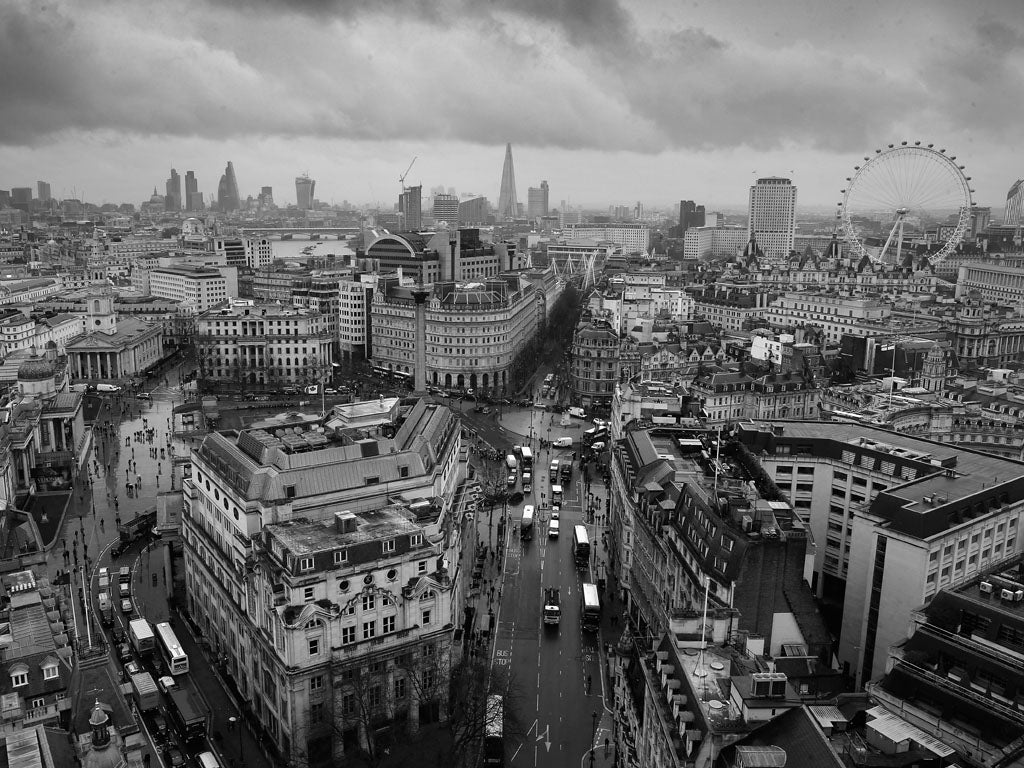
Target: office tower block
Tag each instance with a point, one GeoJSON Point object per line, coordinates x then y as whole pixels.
{"type": "Point", "coordinates": [304, 187]}
{"type": "Point", "coordinates": [172, 196]}
{"type": "Point", "coordinates": [193, 197]}
{"type": "Point", "coordinates": [690, 215]}
{"type": "Point", "coordinates": [772, 217]}
{"type": "Point", "coordinates": [508, 204]}
{"type": "Point", "coordinates": [43, 190]}
{"type": "Point", "coordinates": [410, 206]}
{"type": "Point", "coordinates": [537, 201]}
{"type": "Point", "coordinates": [1014, 204]}
{"type": "Point", "coordinates": [266, 199]}
{"type": "Point", "coordinates": [227, 191]}
{"type": "Point", "coordinates": [21, 198]}
{"type": "Point", "coordinates": [446, 208]}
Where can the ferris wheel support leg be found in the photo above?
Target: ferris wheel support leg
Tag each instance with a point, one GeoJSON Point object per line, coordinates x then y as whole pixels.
{"type": "Point", "coordinates": [899, 243]}
{"type": "Point", "coordinates": [888, 241]}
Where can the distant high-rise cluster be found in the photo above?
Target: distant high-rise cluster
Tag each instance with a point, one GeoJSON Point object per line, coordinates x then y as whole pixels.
{"type": "Point", "coordinates": [1014, 205]}
{"type": "Point", "coordinates": [43, 191]}
{"type": "Point", "coordinates": [227, 191]}
{"type": "Point", "coordinates": [772, 217]}
{"type": "Point", "coordinates": [304, 187]}
{"type": "Point", "coordinates": [172, 194]}
{"type": "Point", "coordinates": [508, 203]}
{"type": "Point", "coordinates": [537, 201]}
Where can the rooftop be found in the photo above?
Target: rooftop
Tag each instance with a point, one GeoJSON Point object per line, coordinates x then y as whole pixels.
{"type": "Point", "coordinates": [306, 537]}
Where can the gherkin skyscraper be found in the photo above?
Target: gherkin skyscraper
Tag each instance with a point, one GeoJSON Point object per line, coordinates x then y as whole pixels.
{"type": "Point", "coordinates": [508, 204]}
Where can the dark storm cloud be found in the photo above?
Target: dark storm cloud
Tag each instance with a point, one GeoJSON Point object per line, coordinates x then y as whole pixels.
{"type": "Point", "coordinates": [571, 74]}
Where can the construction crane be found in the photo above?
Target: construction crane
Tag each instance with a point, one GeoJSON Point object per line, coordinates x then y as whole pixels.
{"type": "Point", "coordinates": [401, 179]}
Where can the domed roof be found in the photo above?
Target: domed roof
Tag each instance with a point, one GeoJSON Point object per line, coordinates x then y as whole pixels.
{"type": "Point", "coordinates": [35, 370]}
{"type": "Point", "coordinates": [98, 716]}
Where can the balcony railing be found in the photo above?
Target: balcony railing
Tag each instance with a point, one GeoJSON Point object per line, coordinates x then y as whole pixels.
{"type": "Point", "coordinates": [986, 702]}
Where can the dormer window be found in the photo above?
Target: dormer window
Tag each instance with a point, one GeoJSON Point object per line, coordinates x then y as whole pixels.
{"type": "Point", "coordinates": [388, 546]}
{"type": "Point", "coordinates": [50, 672]}
{"type": "Point", "coordinates": [306, 564]}
{"type": "Point", "coordinates": [19, 675]}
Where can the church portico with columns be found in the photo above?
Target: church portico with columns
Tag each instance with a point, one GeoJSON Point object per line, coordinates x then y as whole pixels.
{"type": "Point", "coordinates": [110, 349]}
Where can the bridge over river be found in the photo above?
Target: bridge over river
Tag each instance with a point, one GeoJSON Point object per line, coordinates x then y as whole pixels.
{"type": "Point", "coordinates": [307, 233]}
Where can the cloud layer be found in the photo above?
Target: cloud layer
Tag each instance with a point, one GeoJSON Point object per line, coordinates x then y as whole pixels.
{"type": "Point", "coordinates": [588, 74]}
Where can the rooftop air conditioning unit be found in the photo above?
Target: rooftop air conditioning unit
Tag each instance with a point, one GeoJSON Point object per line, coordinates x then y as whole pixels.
{"type": "Point", "coordinates": [761, 684]}
{"type": "Point", "coordinates": [986, 587]}
{"type": "Point", "coordinates": [1018, 595]}
{"type": "Point", "coordinates": [1006, 594]}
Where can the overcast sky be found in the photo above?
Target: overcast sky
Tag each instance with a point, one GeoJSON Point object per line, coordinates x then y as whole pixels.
{"type": "Point", "coordinates": [611, 102]}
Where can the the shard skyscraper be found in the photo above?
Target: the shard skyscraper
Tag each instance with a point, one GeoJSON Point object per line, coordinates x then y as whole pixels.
{"type": "Point", "coordinates": [508, 203]}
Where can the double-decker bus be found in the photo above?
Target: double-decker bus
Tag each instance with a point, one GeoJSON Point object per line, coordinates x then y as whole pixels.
{"type": "Point", "coordinates": [494, 731]}
{"type": "Point", "coordinates": [590, 612]}
{"type": "Point", "coordinates": [382, 371]}
{"type": "Point", "coordinates": [580, 545]}
{"type": "Point", "coordinates": [173, 654]}
{"type": "Point", "coordinates": [404, 377]}
{"type": "Point", "coordinates": [527, 456]}
{"type": "Point", "coordinates": [526, 526]}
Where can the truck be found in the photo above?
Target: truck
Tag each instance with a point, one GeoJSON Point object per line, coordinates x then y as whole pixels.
{"type": "Point", "coordinates": [565, 472]}
{"type": "Point", "coordinates": [145, 692]}
{"type": "Point", "coordinates": [553, 471]}
{"type": "Point", "coordinates": [104, 578]}
{"type": "Point", "coordinates": [141, 635]}
{"type": "Point", "coordinates": [563, 442]}
{"type": "Point", "coordinates": [552, 606]}
{"type": "Point", "coordinates": [511, 463]}
{"type": "Point", "coordinates": [579, 413]}
{"type": "Point", "coordinates": [106, 608]}
{"type": "Point", "coordinates": [527, 482]}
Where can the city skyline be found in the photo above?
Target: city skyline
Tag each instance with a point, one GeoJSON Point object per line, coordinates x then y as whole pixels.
{"type": "Point", "coordinates": [650, 103]}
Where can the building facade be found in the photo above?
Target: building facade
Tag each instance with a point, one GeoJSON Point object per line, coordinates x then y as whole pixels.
{"type": "Point", "coordinates": [594, 370]}
{"type": "Point", "coordinates": [470, 334]}
{"type": "Point", "coordinates": [631, 238]}
{"type": "Point", "coordinates": [323, 572]}
{"type": "Point", "coordinates": [204, 287]}
{"type": "Point", "coordinates": [250, 342]}
{"type": "Point", "coordinates": [772, 217]}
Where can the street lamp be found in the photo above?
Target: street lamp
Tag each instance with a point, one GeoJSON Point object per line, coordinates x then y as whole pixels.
{"type": "Point", "coordinates": [235, 724]}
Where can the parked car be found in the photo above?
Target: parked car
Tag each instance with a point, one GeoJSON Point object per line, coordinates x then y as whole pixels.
{"type": "Point", "coordinates": [132, 667]}
{"type": "Point", "coordinates": [126, 606]}
{"type": "Point", "coordinates": [173, 757]}
{"type": "Point", "coordinates": [118, 635]}
{"type": "Point", "coordinates": [330, 391]}
{"type": "Point", "coordinates": [124, 652]}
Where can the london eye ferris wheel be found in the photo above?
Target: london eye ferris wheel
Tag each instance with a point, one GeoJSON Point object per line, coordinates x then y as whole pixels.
{"type": "Point", "coordinates": [906, 194]}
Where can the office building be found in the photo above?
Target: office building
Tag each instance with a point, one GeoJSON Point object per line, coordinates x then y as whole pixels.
{"type": "Point", "coordinates": [172, 196]}
{"type": "Point", "coordinates": [304, 192]}
{"type": "Point", "coordinates": [690, 215]}
{"type": "Point", "coordinates": [193, 197]}
{"type": "Point", "coordinates": [632, 238]}
{"type": "Point", "coordinates": [959, 677]}
{"type": "Point", "coordinates": [446, 209]}
{"type": "Point", "coordinates": [836, 315]}
{"type": "Point", "coordinates": [410, 204]}
{"type": "Point", "coordinates": [708, 241]}
{"type": "Point", "coordinates": [354, 302]}
{"type": "Point", "coordinates": [326, 561]}
{"type": "Point", "coordinates": [43, 191]}
{"type": "Point", "coordinates": [474, 211]}
{"type": "Point", "coordinates": [247, 341]}
{"type": "Point", "coordinates": [896, 519]}
{"type": "Point", "coordinates": [458, 254]}
{"type": "Point", "coordinates": [245, 252]}
{"type": "Point", "coordinates": [463, 335]}
{"type": "Point", "coordinates": [201, 287]}
{"type": "Point", "coordinates": [21, 198]}
{"type": "Point", "coordinates": [228, 199]}
{"type": "Point", "coordinates": [1014, 205]}
{"type": "Point", "coordinates": [772, 217]}
{"type": "Point", "coordinates": [537, 201]}
{"type": "Point", "coordinates": [508, 203]}
{"type": "Point", "coordinates": [595, 363]}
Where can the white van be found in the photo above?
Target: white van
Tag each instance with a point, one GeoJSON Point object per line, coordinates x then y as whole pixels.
{"type": "Point", "coordinates": [579, 413]}
{"type": "Point", "coordinates": [563, 442]}
{"type": "Point", "coordinates": [207, 760]}
{"type": "Point", "coordinates": [553, 528]}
